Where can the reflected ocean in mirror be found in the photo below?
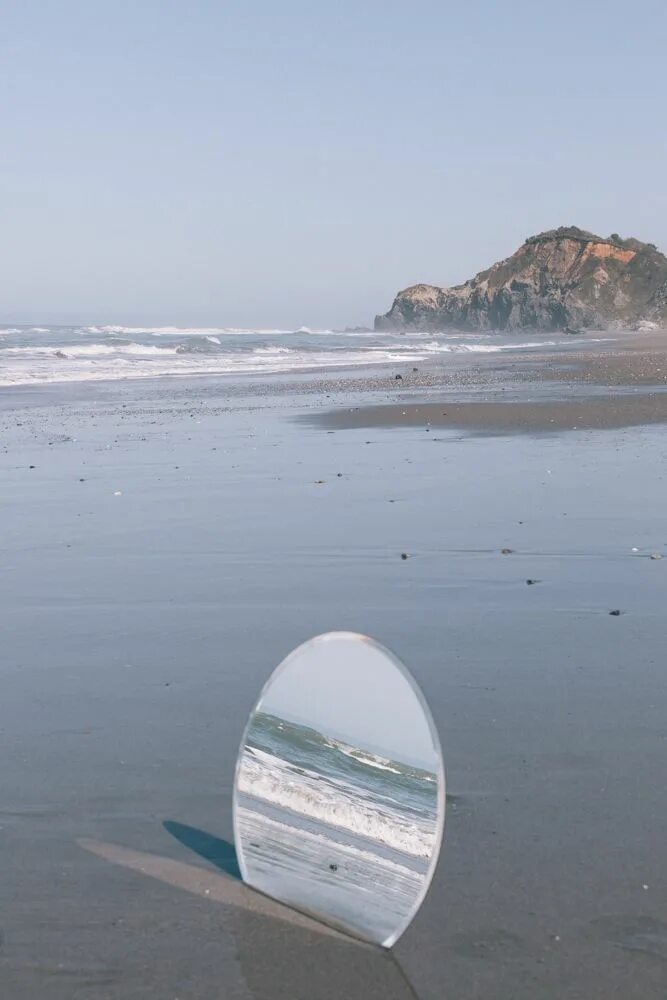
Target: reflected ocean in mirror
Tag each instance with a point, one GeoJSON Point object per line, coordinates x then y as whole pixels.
{"type": "Point", "coordinates": [334, 825]}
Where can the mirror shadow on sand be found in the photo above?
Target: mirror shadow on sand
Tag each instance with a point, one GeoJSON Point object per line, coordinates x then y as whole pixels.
{"type": "Point", "coordinates": [339, 802]}
{"type": "Point", "coordinates": [283, 954]}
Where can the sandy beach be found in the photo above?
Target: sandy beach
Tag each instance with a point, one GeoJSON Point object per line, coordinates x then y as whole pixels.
{"type": "Point", "coordinates": [167, 541]}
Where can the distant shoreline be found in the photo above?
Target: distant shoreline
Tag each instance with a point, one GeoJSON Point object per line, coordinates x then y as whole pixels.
{"type": "Point", "coordinates": [619, 382]}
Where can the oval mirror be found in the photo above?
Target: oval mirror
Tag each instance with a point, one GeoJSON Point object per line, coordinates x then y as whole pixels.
{"type": "Point", "coordinates": [339, 796]}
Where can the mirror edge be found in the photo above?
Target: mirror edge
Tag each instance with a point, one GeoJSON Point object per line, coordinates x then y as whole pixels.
{"type": "Point", "coordinates": [389, 942]}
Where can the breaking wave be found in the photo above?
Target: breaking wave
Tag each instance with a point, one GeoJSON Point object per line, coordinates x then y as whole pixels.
{"type": "Point", "coordinates": [30, 355]}
{"type": "Point", "coordinates": [274, 780]}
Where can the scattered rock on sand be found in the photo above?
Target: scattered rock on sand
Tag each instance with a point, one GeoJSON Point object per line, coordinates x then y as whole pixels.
{"type": "Point", "coordinates": [615, 613]}
{"type": "Point", "coordinates": [398, 378]}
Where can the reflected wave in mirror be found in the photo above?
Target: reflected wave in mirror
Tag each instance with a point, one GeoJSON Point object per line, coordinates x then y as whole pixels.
{"type": "Point", "coordinates": [339, 795]}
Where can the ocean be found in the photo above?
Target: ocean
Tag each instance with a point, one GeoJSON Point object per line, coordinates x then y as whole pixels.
{"type": "Point", "coordinates": [32, 355]}
{"type": "Point", "coordinates": [339, 831]}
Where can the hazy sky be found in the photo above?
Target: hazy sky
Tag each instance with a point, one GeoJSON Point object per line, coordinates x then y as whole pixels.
{"type": "Point", "coordinates": [345, 686]}
{"type": "Point", "coordinates": [287, 163]}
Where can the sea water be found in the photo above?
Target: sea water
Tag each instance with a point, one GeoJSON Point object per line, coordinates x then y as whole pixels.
{"type": "Point", "coordinates": [32, 355]}
{"type": "Point", "coordinates": [341, 831]}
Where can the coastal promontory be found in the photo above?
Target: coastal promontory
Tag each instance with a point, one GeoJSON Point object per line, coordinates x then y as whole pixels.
{"type": "Point", "coordinates": [564, 279]}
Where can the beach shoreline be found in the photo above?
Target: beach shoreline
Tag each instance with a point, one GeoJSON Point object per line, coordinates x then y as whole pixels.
{"type": "Point", "coordinates": [167, 542]}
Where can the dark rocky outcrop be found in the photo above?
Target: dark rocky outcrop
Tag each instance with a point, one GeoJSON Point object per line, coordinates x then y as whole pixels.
{"type": "Point", "coordinates": [564, 279]}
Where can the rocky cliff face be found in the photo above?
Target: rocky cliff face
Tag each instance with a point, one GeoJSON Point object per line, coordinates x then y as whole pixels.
{"type": "Point", "coordinates": [562, 279]}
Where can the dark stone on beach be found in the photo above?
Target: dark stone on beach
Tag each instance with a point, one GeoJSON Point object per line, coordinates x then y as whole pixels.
{"type": "Point", "coordinates": [415, 369]}
{"type": "Point", "coordinates": [615, 613]}
{"type": "Point", "coordinates": [399, 378]}
{"type": "Point", "coordinates": [340, 475]}
{"type": "Point", "coordinates": [404, 555]}
{"type": "Point", "coordinates": [507, 552]}
{"type": "Point", "coordinates": [82, 480]}
{"type": "Point", "coordinates": [532, 582]}
{"type": "Point", "coordinates": [334, 868]}
{"type": "Point", "coordinates": [31, 466]}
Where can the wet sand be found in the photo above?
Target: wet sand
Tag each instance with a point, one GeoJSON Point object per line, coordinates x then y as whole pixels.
{"type": "Point", "coordinates": [174, 540]}
{"type": "Point", "coordinates": [599, 412]}
{"type": "Point", "coordinates": [600, 386]}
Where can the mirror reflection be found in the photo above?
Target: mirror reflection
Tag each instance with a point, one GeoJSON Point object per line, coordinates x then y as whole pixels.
{"type": "Point", "coordinates": [339, 792]}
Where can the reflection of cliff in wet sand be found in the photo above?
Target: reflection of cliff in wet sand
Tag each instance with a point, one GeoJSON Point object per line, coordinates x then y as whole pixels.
{"type": "Point", "coordinates": [334, 828]}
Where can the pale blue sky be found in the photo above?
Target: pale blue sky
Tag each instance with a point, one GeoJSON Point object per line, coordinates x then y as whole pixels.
{"type": "Point", "coordinates": [346, 686]}
{"type": "Point", "coordinates": [279, 164]}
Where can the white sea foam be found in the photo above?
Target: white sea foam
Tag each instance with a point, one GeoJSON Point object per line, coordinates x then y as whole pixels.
{"type": "Point", "coordinates": [317, 841]}
{"type": "Point", "coordinates": [87, 363]}
{"type": "Point", "coordinates": [363, 756]}
{"type": "Point", "coordinates": [72, 352]}
{"type": "Point", "coordinates": [94, 353]}
{"type": "Point", "coordinates": [273, 780]}
{"type": "Point", "coordinates": [369, 760]}
{"type": "Point", "coordinates": [437, 347]}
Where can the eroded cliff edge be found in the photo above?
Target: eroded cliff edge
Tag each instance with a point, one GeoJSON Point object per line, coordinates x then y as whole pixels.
{"type": "Point", "coordinates": [564, 279]}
